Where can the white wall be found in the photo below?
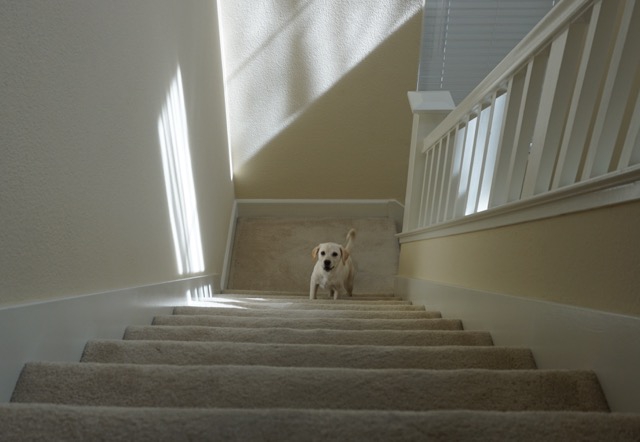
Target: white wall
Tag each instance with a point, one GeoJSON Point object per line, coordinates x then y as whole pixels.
{"type": "Point", "coordinates": [317, 96]}
{"type": "Point", "coordinates": [83, 207]}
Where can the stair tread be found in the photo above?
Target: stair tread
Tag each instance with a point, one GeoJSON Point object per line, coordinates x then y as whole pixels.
{"type": "Point", "coordinates": [310, 323]}
{"type": "Point", "coordinates": [301, 313]}
{"type": "Point", "coordinates": [315, 336]}
{"type": "Point", "coordinates": [298, 294]}
{"type": "Point", "coordinates": [321, 299]}
{"type": "Point", "coordinates": [41, 422]}
{"type": "Point", "coordinates": [316, 305]}
{"type": "Point", "coordinates": [305, 355]}
{"type": "Point", "coordinates": [237, 386]}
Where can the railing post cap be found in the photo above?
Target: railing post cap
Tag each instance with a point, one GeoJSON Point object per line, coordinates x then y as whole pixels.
{"type": "Point", "coordinates": [430, 101]}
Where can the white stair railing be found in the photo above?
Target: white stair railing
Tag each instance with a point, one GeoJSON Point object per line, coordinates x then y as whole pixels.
{"type": "Point", "coordinates": [559, 113]}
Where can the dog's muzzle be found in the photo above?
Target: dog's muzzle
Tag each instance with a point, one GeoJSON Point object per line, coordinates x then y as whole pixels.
{"type": "Point", "coordinates": [327, 266]}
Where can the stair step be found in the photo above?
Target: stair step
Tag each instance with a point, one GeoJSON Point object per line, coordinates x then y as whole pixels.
{"type": "Point", "coordinates": [305, 355]}
{"type": "Point", "coordinates": [183, 424]}
{"type": "Point", "coordinates": [355, 314]}
{"type": "Point", "coordinates": [300, 336]}
{"type": "Point", "coordinates": [277, 294]}
{"type": "Point", "coordinates": [310, 323]}
{"type": "Point", "coordinates": [322, 298]}
{"type": "Point", "coordinates": [236, 386]}
{"type": "Point", "coordinates": [309, 305]}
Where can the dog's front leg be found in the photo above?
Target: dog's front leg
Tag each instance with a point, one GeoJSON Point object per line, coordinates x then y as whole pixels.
{"type": "Point", "coordinates": [313, 289]}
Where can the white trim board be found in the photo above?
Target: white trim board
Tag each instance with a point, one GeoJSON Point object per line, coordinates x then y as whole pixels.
{"type": "Point", "coordinates": [58, 330]}
{"type": "Point", "coordinates": [560, 336]}
{"type": "Point", "coordinates": [228, 251]}
{"type": "Point", "coordinates": [598, 193]}
{"type": "Point", "coordinates": [301, 208]}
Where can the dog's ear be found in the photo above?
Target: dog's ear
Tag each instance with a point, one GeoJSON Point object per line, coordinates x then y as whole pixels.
{"type": "Point", "coordinates": [345, 255]}
{"type": "Point", "coordinates": [314, 252]}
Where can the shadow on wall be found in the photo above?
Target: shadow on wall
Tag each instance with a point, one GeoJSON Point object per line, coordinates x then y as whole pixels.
{"type": "Point", "coordinates": [352, 142]}
{"type": "Point", "coordinates": [338, 124]}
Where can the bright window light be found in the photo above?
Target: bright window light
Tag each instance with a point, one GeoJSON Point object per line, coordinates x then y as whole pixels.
{"type": "Point", "coordinates": [463, 188]}
{"type": "Point", "coordinates": [224, 87]}
{"type": "Point", "coordinates": [478, 158]}
{"type": "Point", "coordinates": [178, 175]}
{"type": "Point", "coordinates": [492, 152]}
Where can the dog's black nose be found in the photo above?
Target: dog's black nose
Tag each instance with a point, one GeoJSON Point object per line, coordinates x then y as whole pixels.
{"type": "Point", "coordinates": [327, 263]}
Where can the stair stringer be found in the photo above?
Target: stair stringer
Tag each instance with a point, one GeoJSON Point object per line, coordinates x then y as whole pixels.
{"type": "Point", "coordinates": [58, 330]}
{"type": "Point", "coordinates": [560, 336]}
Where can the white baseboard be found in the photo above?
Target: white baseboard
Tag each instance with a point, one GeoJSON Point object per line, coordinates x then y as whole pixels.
{"type": "Point", "coordinates": [560, 336]}
{"type": "Point", "coordinates": [226, 264]}
{"type": "Point", "coordinates": [58, 330]}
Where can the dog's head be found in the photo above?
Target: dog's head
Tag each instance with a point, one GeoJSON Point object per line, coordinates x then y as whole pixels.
{"type": "Point", "coordinates": [330, 255]}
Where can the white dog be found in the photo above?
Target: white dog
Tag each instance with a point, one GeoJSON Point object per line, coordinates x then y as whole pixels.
{"type": "Point", "coordinates": [334, 269]}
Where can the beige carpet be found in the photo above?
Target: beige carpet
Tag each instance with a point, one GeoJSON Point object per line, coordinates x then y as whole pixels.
{"type": "Point", "coordinates": [46, 423]}
{"type": "Point", "coordinates": [301, 336]}
{"type": "Point", "coordinates": [310, 323]}
{"type": "Point", "coordinates": [242, 303]}
{"type": "Point", "coordinates": [275, 253]}
{"type": "Point", "coordinates": [237, 378]}
{"type": "Point", "coordinates": [306, 355]}
{"type": "Point", "coordinates": [250, 386]}
{"type": "Point", "coordinates": [308, 313]}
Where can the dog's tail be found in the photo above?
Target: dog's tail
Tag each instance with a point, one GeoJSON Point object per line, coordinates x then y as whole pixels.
{"type": "Point", "coordinates": [350, 237]}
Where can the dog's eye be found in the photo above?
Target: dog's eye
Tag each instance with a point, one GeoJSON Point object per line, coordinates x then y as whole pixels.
{"type": "Point", "coordinates": [334, 254]}
{"type": "Point", "coordinates": [322, 253]}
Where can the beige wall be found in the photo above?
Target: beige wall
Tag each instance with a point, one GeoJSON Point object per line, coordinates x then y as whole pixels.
{"type": "Point", "coordinates": [83, 207]}
{"type": "Point", "coordinates": [317, 96]}
{"type": "Point", "coordinates": [589, 259]}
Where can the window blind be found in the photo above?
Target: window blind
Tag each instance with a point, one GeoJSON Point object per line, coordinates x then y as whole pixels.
{"type": "Point", "coordinates": [463, 40]}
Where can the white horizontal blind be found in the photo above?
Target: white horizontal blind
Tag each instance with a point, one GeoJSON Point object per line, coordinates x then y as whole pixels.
{"type": "Point", "coordinates": [463, 40]}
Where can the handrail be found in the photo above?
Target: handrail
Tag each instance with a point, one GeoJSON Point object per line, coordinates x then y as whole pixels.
{"type": "Point", "coordinates": [560, 110]}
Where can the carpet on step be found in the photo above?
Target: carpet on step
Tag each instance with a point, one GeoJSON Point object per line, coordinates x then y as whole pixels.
{"type": "Point", "coordinates": [235, 386]}
{"type": "Point", "coordinates": [301, 336]}
{"type": "Point", "coordinates": [302, 313]}
{"type": "Point", "coordinates": [45, 422]}
{"type": "Point", "coordinates": [310, 305]}
{"type": "Point", "coordinates": [305, 355]}
{"type": "Point", "coordinates": [310, 323]}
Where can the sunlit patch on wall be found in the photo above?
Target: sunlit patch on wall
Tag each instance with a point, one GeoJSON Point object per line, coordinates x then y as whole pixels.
{"type": "Point", "coordinates": [282, 59]}
{"type": "Point", "coordinates": [199, 294]}
{"type": "Point", "coordinates": [178, 176]}
{"type": "Point", "coordinates": [224, 87]}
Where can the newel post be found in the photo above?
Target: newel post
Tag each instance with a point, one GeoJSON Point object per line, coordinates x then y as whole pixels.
{"type": "Point", "coordinates": [429, 109]}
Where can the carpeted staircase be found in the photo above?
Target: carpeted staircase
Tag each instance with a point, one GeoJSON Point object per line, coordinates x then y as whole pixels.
{"type": "Point", "coordinates": [276, 367]}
